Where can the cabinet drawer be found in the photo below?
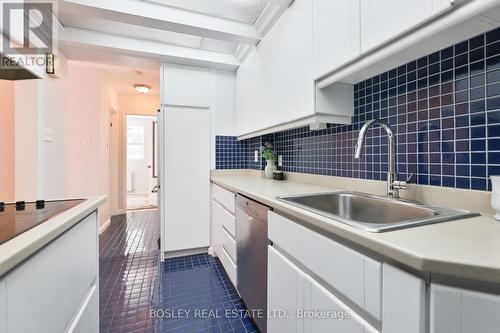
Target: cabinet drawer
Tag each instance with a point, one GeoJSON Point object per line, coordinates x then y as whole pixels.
{"type": "Point", "coordinates": [226, 198]}
{"type": "Point", "coordinates": [229, 244]}
{"type": "Point", "coordinates": [87, 319]}
{"type": "Point", "coordinates": [229, 266]}
{"type": "Point", "coordinates": [224, 218]}
{"type": "Point", "coordinates": [355, 276]}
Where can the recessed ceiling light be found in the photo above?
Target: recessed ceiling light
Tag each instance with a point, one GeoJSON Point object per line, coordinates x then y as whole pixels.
{"type": "Point", "coordinates": [142, 88]}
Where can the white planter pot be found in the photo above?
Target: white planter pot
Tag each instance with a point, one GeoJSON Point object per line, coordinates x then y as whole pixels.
{"type": "Point", "coordinates": [270, 168]}
{"type": "Point", "coordinates": [495, 195]}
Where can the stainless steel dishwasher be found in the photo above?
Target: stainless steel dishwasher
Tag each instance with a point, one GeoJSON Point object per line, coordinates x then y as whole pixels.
{"type": "Point", "coordinates": [251, 244]}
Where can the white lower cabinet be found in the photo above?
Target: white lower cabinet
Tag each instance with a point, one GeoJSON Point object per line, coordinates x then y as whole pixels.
{"type": "Point", "coordinates": [285, 294]}
{"type": "Point", "coordinates": [223, 240]}
{"type": "Point", "coordinates": [404, 302]}
{"type": "Point", "coordinates": [3, 306]}
{"type": "Point", "coordinates": [87, 319]}
{"type": "Point", "coordinates": [460, 310]}
{"type": "Point", "coordinates": [56, 289]}
{"type": "Point", "coordinates": [354, 275]}
{"type": "Point", "coordinates": [339, 318]}
{"type": "Point", "coordinates": [299, 303]}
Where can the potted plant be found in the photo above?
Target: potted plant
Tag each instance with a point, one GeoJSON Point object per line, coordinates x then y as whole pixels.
{"type": "Point", "coordinates": [267, 153]}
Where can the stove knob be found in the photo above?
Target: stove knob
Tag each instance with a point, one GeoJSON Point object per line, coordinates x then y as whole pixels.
{"type": "Point", "coordinates": [20, 205]}
{"type": "Point", "coordinates": [40, 204]}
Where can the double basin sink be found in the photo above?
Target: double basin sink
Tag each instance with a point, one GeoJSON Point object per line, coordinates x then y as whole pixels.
{"type": "Point", "coordinates": [373, 213]}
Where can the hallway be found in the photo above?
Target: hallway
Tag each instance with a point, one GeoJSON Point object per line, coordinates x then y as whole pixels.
{"type": "Point", "coordinates": [129, 273]}
{"type": "Point", "coordinates": [133, 282]}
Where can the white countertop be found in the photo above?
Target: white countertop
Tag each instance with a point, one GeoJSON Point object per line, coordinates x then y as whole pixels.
{"type": "Point", "coordinates": [24, 245]}
{"type": "Point", "coordinates": [468, 248]}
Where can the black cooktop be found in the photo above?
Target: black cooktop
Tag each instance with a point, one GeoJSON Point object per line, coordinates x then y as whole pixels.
{"type": "Point", "coordinates": [16, 218]}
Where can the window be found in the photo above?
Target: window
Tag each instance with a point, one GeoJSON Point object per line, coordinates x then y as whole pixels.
{"type": "Point", "coordinates": [135, 143]}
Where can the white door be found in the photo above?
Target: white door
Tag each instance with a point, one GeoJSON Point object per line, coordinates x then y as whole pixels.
{"type": "Point", "coordinates": [187, 178]}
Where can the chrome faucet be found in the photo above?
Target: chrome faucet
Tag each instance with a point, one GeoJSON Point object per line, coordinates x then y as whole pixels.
{"type": "Point", "coordinates": [393, 185]}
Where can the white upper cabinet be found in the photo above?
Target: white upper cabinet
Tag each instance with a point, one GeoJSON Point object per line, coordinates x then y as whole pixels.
{"type": "Point", "coordinates": [185, 86]}
{"type": "Point", "coordinates": [382, 20]}
{"type": "Point", "coordinates": [275, 83]}
{"type": "Point", "coordinates": [337, 36]}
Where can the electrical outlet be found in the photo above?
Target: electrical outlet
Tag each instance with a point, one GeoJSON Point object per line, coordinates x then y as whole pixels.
{"type": "Point", "coordinates": [280, 160]}
{"type": "Point", "coordinates": [256, 157]}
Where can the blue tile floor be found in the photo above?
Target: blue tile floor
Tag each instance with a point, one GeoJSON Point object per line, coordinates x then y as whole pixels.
{"type": "Point", "coordinates": [138, 293]}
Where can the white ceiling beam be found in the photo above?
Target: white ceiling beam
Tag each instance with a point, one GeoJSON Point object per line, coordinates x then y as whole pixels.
{"type": "Point", "coordinates": [271, 13]}
{"type": "Point", "coordinates": [75, 37]}
{"type": "Point", "coordinates": [162, 17]}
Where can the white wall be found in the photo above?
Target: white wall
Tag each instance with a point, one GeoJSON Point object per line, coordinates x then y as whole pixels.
{"type": "Point", "coordinates": [7, 141]}
{"type": "Point", "coordinates": [89, 99]}
{"type": "Point", "coordinates": [56, 114]}
{"type": "Point", "coordinates": [222, 107]}
{"type": "Point", "coordinates": [29, 148]}
{"type": "Point", "coordinates": [74, 151]}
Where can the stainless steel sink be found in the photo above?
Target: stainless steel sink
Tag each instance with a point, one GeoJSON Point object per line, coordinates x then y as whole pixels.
{"type": "Point", "coordinates": [374, 213]}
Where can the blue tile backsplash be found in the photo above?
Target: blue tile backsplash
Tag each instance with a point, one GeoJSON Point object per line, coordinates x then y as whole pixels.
{"type": "Point", "coordinates": [444, 109]}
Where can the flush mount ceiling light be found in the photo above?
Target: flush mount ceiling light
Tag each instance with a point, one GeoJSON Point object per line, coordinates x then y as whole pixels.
{"type": "Point", "coordinates": [142, 88]}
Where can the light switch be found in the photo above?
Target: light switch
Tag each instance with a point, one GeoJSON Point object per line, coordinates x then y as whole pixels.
{"type": "Point", "coordinates": [256, 158]}
{"type": "Point", "coordinates": [48, 135]}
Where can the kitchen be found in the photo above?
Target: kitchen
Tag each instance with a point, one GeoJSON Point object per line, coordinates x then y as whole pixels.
{"type": "Point", "coordinates": [323, 166]}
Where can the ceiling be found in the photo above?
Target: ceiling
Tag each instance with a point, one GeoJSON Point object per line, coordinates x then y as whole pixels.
{"type": "Point", "coordinates": [246, 11]}
{"type": "Point", "coordinates": [209, 33]}
{"type": "Point", "coordinates": [123, 78]}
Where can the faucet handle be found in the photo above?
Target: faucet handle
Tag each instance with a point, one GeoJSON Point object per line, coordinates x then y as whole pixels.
{"type": "Point", "coordinates": [401, 184]}
{"type": "Point", "coordinates": [410, 177]}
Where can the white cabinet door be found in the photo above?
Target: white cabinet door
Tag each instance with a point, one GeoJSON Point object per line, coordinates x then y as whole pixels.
{"type": "Point", "coordinates": [309, 307]}
{"type": "Point", "coordinates": [3, 306]}
{"type": "Point", "coordinates": [404, 305]}
{"type": "Point", "coordinates": [460, 310]}
{"type": "Point", "coordinates": [187, 178]}
{"type": "Point", "coordinates": [185, 86]}
{"type": "Point", "coordinates": [275, 84]}
{"type": "Point", "coordinates": [285, 292]}
{"type": "Point", "coordinates": [382, 20]}
{"type": "Point", "coordinates": [87, 319]}
{"type": "Point", "coordinates": [338, 317]}
{"type": "Point", "coordinates": [351, 273]}
{"type": "Point", "coordinates": [337, 38]}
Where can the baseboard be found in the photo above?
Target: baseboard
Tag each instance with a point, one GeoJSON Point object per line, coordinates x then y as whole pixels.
{"type": "Point", "coordinates": [104, 226]}
{"type": "Point", "coordinates": [188, 252]}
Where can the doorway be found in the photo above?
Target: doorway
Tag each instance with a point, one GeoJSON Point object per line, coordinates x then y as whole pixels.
{"type": "Point", "coordinates": [142, 178]}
